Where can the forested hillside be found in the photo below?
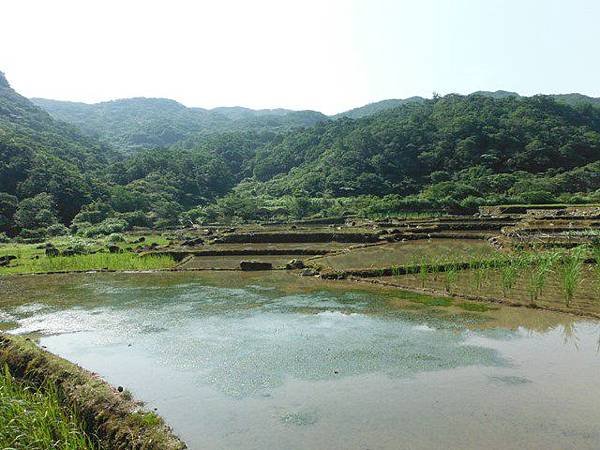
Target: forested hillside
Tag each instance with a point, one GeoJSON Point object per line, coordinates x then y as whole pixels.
{"type": "Point", "coordinates": [46, 164]}
{"type": "Point", "coordinates": [450, 153]}
{"type": "Point", "coordinates": [140, 123]}
{"type": "Point", "coordinates": [374, 108]}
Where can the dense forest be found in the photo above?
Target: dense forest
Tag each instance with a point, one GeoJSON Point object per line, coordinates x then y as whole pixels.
{"type": "Point", "coordinates": [141, 123]}
{"type": "Point", "coordinates": [153, 162]}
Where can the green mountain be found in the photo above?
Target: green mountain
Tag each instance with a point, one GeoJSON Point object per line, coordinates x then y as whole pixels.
{"type": "Point", "coordinates": [457, 140]}
{"type": "Point", "coordinates": [39, 154]}
{"type": "Point", "coordinates": [374, 108]}
{"type": "Point", "coordinates": [454, 153]}
{"type": "Point", "coordinates": [137, 123]}
{"type": "Point", "coordinates": [569, 99]}
{"type": "Point", "coordinates": [384, 105]}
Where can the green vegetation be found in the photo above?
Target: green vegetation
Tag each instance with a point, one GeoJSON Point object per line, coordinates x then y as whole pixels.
{"type": "Point", "coordinates": [34, 419]}
{"type": "Point", "coordinates": [97, 261]}
{"type": "Point", "coordinates": [89, 254]}
{"type": "Point", "coordinates": [476, 307]}
{"type": "Point", "coordinates": [115, 420]}
{"type": "Point", "coordinates": [566, 279]}
{"type": "Point", "coordinates": [543, 264]}
{"type": "Point", "coordinates": [450, 277]}
{"type": "Point", "coordinates": [509, 274]}
{"type": "Point", "coordinates": [431, 301]}
{"type": "Point", "coordinates": [142, 123]}
{"type": "Point", "coordinates": [155, 163]}
{"type": "Point", "coordinates": [572, 264]}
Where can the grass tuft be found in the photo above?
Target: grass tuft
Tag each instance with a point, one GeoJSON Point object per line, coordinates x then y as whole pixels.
{"type": "Point", "coordinates": [34, 418]}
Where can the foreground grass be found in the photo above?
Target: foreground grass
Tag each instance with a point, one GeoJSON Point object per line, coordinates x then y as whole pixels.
{"type": "Point", "coordinates": [97, 261]}
{"type": "Point", "coordinates": [34, 419]}
{"type": "Point", "coordinates": [115, 419]}
{"type": "Point", "coordinates": [31, 258]}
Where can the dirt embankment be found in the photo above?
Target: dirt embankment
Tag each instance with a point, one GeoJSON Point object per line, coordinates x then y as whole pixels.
{"type": "Point", "coordinates": [111, 418]}
{"type": "Point", "coordinates": [264, 238]}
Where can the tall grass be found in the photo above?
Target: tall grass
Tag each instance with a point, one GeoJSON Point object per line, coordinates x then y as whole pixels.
{"type": "Point", "coordinates": [572, 271]}
{"type": "Point", "coordinates": [34, 419]}
{"type": "Point", "coordinates": [97, 261]}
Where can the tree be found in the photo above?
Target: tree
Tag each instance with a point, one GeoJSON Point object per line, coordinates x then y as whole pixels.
{"type": "Point", "coordinates": [8, 206]}
{"type": "Point", "coordinates": [36, 212]}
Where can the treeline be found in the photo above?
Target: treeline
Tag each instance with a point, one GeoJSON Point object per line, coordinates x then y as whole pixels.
{"type": "Point", "coordinates": [445, 154]}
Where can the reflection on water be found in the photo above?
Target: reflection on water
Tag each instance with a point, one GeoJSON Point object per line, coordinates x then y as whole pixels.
{"type": "Point", "coordinates": [275, 361]}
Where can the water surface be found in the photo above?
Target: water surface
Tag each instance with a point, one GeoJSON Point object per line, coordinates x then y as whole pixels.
{"type": "Point", "coordinates": [251, 361]}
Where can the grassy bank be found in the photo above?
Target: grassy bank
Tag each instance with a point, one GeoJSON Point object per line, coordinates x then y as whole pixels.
{"type": "Point", "coordinates": [34, 418]}
{"type": "Point", "coordinates": [112, 418]}
{"type": "Point", "coordinates": [92, 254]}
{"type": "Point", "coordinates": [97, 261]}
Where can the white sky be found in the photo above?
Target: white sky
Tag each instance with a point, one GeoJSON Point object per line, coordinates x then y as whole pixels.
{"type": "Point", "coordinates": [306, 54]}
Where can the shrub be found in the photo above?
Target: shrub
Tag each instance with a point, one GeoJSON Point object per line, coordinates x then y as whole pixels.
{"type": "Point", "coordinates": [57, 229]}
{"type": "Point", "coordinates": [106, 227]}
{"type": "Point", "coordinates": [4, 238]}
{"type": "Point", "coordinates": [37, 234]}
{"type": "Point", "coordinates": [116, 237]}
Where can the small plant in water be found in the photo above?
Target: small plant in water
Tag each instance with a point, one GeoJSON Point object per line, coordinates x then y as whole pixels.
{"type": "Point", "coordinates": [596, 254]}
{"type": "Point", "coordinates": [572, 271]}
{"type": "Point", "coordinates": [423, 273]}
{"type": "Point", "coordinates": [480, 271]}
{"type": "Point", "coordinates": [450, 277]}
{"type": "Point", "coordinates": [539, 275]}
{"type": "Point", "coordinates": [508, 276]}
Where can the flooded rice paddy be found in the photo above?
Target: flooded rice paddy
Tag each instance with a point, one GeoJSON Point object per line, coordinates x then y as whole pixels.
{"type": "Point", "coordinates": [274, 361]}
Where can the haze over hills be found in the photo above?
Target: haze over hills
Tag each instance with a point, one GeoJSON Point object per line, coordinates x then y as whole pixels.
{"type": "Point", "coordinates": [453, 153]}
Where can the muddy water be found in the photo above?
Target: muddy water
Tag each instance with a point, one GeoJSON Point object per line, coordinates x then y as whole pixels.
{"type": "Point", "coordinates": [250, 361]}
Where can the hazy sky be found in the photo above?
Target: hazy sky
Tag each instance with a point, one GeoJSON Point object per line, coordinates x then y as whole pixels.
{"type": "Point", "coordinates": [304, 54]}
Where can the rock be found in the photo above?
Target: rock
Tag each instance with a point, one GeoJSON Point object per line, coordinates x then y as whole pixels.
{"type": "Point", "coordinates": [5, 260]}
{"type": "Point", "coordinates": [208, 232]}
{"type": "Point", "coordinates": [293, 227]}
{"type": "Point", "coordinates": [193, 242]}
{"type": "Point", "coordinates": [255, 265]}
{"type": "Point", "coordinates": [120, 389]}
{"type": "Point", "coordinates": [114, 249]}
{"type": "Point", "coordinates": [154, 246]}
{"type": "Point", "coordinates": [52, 251]}
{"type": "Point", "coordinates": [295, 264]}
{"type": "Point", "coordinates": [308, 272]}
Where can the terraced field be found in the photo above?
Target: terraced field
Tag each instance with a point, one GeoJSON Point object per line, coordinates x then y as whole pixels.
{"type": "Point", "coordinates": [426, 251]}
